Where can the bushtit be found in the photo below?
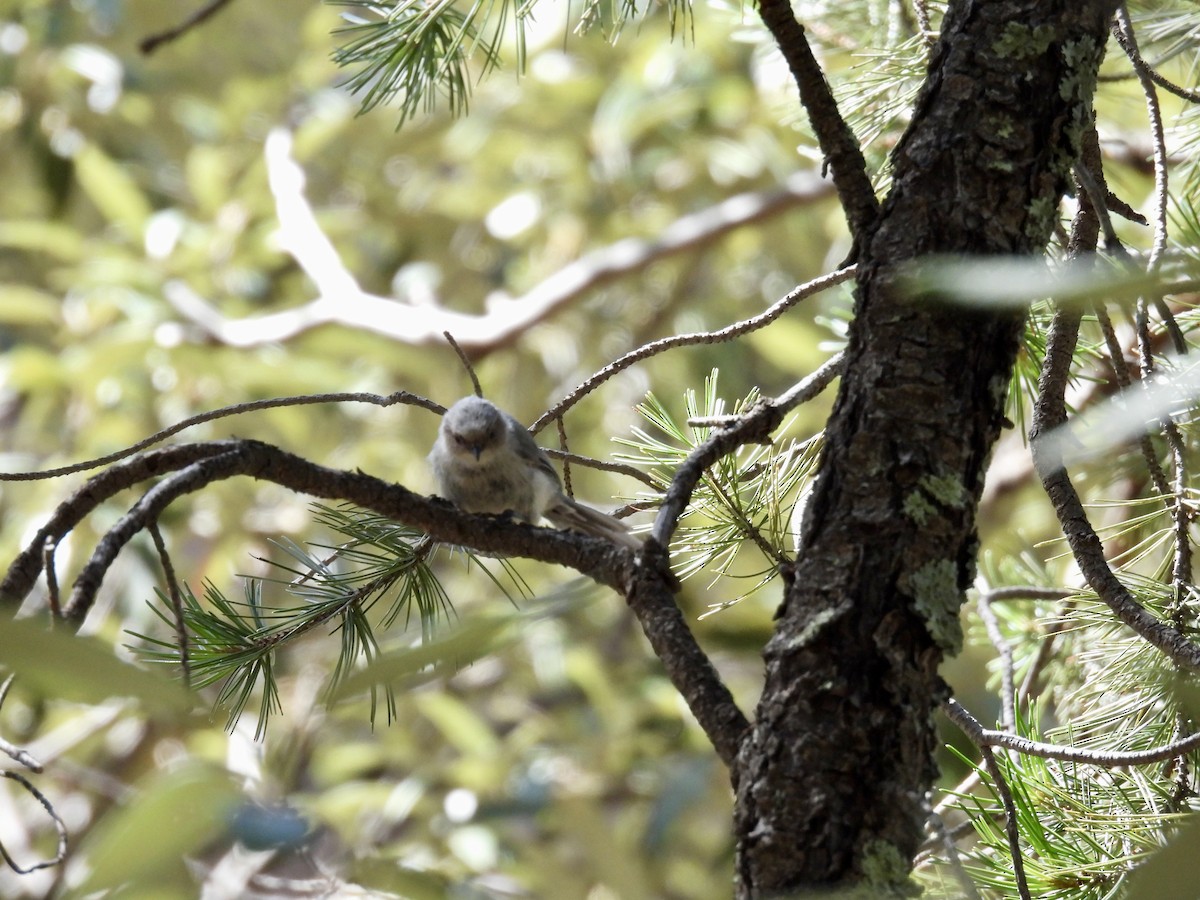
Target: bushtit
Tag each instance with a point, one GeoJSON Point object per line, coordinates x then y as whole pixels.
{"type": "Point", "coordinates": [486, 462]}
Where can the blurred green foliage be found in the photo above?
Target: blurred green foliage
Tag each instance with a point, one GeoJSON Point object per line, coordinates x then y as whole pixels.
{"type": "Point", "coordinates": [559, 761]}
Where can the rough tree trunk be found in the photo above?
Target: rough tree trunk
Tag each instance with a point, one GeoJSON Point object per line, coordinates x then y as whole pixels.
{"type": "Point", "coordinates": [832, 780]}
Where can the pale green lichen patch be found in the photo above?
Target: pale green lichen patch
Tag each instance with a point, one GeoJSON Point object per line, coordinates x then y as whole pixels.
{"type": "Point", "coordinates": [813, 629]}
{"type": "Point", "coordinates": [886, 871]}
{"type": "Point", "coordinates": [936, 597]}
{"type": "Point", "coordinates": [1022, 42]}
{"type": "Point", "coordinates": [932, 491]}
{"type": "Point", "coordinates": [917, 508]}
{"type": "Point", "coordinates": [945, 489]}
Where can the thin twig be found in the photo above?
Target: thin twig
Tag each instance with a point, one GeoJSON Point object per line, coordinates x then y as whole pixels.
{"type": "Point", "coordinates": [928, 35]}
{"type": "Point", "coordinates": [223, 412]}
{"type": "Point", "coordinates": [1123, 30]}
{"type": "Point", "coordinates": [935, 824]}
{"type": "Point", "coordinates": [1142, 69]}
{"type": "Point", "coordinates": [562, 446]}
{"type": "Point", "coordinates": [59, 826]}
{"type": "Point", "coordinates": [755, 426]}
{"type": "Point", "coordinates": [603, 465]}
{"type": "Point", "coordinates": [1008, 715]}
{"type": "Point", "coordinates": [52, 595]}
{"type": "Point", "coordinates": [150, 44]}
{"type": "Point", "coordinates": [1120, 370]}
{"type": "Point", "coordinates": [728, 333]}
{"type": "Point", "coordinates": [466, 363]}
{"type": "Point", "coordinates": [16, 753]}
{"type": "Point", "coordinates": [1106, 759]}
{"type": "Point", "coordinates": [1026, 692]}
{"type": "Point", "coordinates": [176, 596]}
{"type": "Point", "coordinates": [1048, 413]}
{"type": "Point", "coordinates": [1182, 567]}
{"type": "Point", "coordinates": [1011, 827]}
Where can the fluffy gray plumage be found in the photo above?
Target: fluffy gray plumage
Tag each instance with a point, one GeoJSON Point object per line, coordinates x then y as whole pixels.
{"type": "Point", "coordinates": [486, 462]}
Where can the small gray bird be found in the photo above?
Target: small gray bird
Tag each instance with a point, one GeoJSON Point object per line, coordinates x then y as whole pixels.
{"type": "Point", "coordinates": [486, 462]}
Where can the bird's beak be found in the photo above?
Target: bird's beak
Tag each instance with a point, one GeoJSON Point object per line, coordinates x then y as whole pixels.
{"type": "Point", "coordinates": [477, 450]}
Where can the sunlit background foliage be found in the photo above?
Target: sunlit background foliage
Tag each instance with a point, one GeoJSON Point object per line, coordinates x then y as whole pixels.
{"type": "Point", "coordinates": [545, 753]}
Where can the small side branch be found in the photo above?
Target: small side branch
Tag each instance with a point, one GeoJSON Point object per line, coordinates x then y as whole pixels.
{"type": "Point", "coordinates": [225, 412]}
{"type": "Point", "coordinates": [728, 333]}
{"type": "Point", "coordinates": [1107, 759]}
{"type": "Point", "coordinates": [755, 427]}
{"type": "Point", "coordinates": [59, 826]}
{"type": "Point", "coordinates": [199, 17]}
{"type": "Point", "coordinates": [1050, 412]}
{"type": "Point", "coordinates": [837, 141]}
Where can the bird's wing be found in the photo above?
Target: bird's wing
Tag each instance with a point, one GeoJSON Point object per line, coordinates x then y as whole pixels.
{"type": "Point", "coordinates": [528, 450]}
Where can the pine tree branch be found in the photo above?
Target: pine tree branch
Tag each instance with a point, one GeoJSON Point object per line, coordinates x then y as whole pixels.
{"type": "Point", "coordinates": [754, 427]}
{"type": "Point", "coordinates": [646, 581]}
{"type": "Point", "coordinates": [1123, 31]}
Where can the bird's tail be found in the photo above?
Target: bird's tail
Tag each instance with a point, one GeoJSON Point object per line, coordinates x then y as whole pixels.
{"type": "Point", "coordinates": [577, 517]}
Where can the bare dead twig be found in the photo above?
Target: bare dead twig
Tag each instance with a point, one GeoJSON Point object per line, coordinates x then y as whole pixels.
{"type": "Point", "coordinates": [176, 598]}
{"type": "Point", "coordinates": [1011, 827]}
{"type": "Point", "coordinates": [17, 754]}
{"type": "Point", "coordinates": [1123, 32]}
{"type": "Point", "coordinates": [1008, 716]}
{"type": "Point", "coordinates": [1107, 759]}
{"type": "Point", "coordinates": [59, 826]}
{"type": "Point", "coordinates": [562, 445]}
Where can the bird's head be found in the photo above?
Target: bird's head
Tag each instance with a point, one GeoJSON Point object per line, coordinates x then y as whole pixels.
{"type": "Point", "coordinates": [473, 426]}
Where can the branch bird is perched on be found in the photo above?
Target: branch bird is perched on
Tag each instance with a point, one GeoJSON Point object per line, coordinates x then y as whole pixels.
{"type": "Point", "coordinates": [486, 462]}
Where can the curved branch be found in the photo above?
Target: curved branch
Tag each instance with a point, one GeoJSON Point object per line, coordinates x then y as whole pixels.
{"type": "Point", "coordinates": [59, 826]}
{"type": "Point", "coordinates": [149, 44]}
{"type": "Point", "coordinates": [23, 572]}
{"type": "Point", "coordinates": [1143, 70]}
{"type": "Point", "coordinates": [223, 412]}
{"type": "Point", "coordinates": [728, 333]}
{"type": "Point", "coordinates": [1050, 411]}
